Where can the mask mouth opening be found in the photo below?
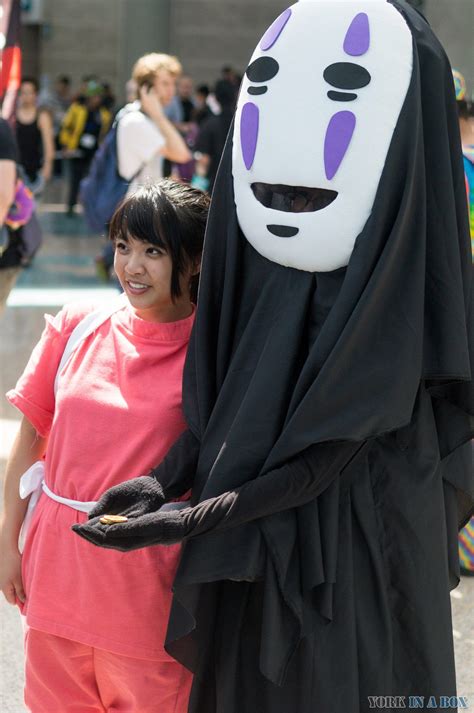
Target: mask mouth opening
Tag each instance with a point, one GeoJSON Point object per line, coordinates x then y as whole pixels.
{"type": "Point", "coordinates": [292, 199]}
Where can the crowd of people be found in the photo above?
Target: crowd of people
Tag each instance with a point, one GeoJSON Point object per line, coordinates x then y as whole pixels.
{"type": "Point", "coordinates": [308, 455]}
{"type": "Point", "coordinates": [59, 131]}
{"type": "Point", "coordinates": [60, 124]}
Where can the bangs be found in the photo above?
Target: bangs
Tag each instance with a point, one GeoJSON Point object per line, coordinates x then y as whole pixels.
{"type": "Point", "coordinates": [133, 220]}
{"type": "Point", "coordinates": [171, 216]}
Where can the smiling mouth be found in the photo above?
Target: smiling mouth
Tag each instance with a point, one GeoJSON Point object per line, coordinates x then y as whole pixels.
{"type": "Point", "coordinates": [292, 199]}
{"type": "Point", "coordinates": [136, 287]}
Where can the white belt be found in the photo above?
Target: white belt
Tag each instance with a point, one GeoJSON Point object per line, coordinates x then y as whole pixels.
{"type": "Point", "coordinates": [32, 483]}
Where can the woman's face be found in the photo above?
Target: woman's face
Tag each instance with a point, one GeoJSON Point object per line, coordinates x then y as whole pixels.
{"type": "Point", "coordinates": [27, 95]}
{"type": "Point", "coordinates": [144, 271]}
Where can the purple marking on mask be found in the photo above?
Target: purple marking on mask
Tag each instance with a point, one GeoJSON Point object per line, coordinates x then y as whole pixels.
{"type": "Point", "coordinates": [357, 39]}
{"type": "Point", "coordinates": [249, 133]}
{"type": "Point", "coordinates": [275, 30]}
{"type": "Point", "coordinates": [338, 137]}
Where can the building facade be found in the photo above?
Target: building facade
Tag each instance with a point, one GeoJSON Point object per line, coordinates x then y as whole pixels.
{"type": "Point", "coordinates": [104, 37]}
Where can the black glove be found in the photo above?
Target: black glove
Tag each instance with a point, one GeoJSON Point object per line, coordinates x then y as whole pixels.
{"type": "Point", "coordinates": [133, 497]}
{"type": "Point", "coordinates": [164, 528]}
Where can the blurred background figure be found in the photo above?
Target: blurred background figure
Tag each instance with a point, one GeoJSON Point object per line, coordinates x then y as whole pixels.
{"type": "Point", "coordinates": [34, 136]}
{"type": "Point", "coordinates": [86, 81]}
{"type": "Point", "coordinates": [212, 136]}
{"type": "Point", "coordinates": [131, 91]}
{"type": "Point", "coordinates": [181, 107]}
{"type": "Point", "coordinates": [57, 102]}
{"type": "Point", "coordinates": [84, 126]}
{"type": "Point", "coordinates": [108, 97]}
{"type": "Point", "coordinates": [466, 128]}
{"type": "Point", "coordinates": [202, 110]}
{"type": "Point", "coordinates": [229, 74]}
{"type": "Point", "coordinates": [146, 137]}
{"type": "Point", "coordinates": [10, 257]}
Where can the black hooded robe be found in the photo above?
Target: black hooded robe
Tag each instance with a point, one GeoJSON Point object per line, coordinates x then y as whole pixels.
{"type": "Point", "coordinates": [317, 608]}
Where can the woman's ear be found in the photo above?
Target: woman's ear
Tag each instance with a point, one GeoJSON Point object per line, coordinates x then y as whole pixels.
{"type": "Point", "coordinates": [196, 269]}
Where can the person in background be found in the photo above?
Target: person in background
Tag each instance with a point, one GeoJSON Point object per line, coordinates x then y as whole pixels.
{"type": "Point", "coordinates": [9, 261]}
{"type": "Point", "coordinates": [145, 136]}
{"type": "Point", "coordinates": [178, 111]}
{"type": "Point", "coordinates": [228, 74]}
{"type": "Point", "coordinates": [8, 156]}
{"type": "Point", "coordinates": [466, 128]}
{"type": "Point", "coordinates": [184, 99]}
{"type": "Point", "coordinates": [212, 136]}
{"type": "Point", "coordinates": [181, 105]}
{"type": "Point", "coordinates": [57, 102]}
{"type": "Point", "coordinates": [187, 127]}
{"type": "Point", "coordinates": [80, 94]}
{"type": "Point", "coordinates": [83, 128]}
{"type": "Point", "coordinates": [108, 97]}
{"type": "Point", "coordinates": [131, 91]}
{"type": "Point", "coordinates": [202, 110]}
{"type": "Point", "coordinates": [34, 137]}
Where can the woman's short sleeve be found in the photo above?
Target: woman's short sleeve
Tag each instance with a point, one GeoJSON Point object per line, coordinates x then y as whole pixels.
{"type": "Point", "coordinates": [33, 394]}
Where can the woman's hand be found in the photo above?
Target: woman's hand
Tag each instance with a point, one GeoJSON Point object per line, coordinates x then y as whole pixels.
{"type": "Point", "coordinates": [135, 497]}
{"type": "Point", "coordinates": [11, 582]}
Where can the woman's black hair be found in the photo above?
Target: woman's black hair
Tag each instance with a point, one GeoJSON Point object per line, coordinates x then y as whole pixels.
{"type": "Point", "coordinates": [30, 80]}
{"type": "Point", "coordinates": [170, 215]}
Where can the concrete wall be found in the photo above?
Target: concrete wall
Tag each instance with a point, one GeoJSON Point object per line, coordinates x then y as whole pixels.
{"type": "Point", "coordinates": [144, 27]}
{"type": "Point", "coordinates": [106, 36]}
{"type": "Point", "coordinates": [453, 23]}
{"type": "Point", "coordinates": [80, 37]}
{"type": "Point", "coordinates": [207, 34]}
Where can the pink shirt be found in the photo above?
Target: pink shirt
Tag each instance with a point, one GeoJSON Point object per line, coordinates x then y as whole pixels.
{"type": "Point", "coordinates": [116, 413]}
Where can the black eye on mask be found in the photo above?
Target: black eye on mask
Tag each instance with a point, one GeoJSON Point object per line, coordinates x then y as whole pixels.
{"type": "Point", "coordinates": [346, 75]}
{"type": "Point", "coordinates": [262, 69]}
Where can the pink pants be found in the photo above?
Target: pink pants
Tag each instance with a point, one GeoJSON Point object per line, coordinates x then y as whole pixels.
{"type": "Point", "coordinates": [63, 676]}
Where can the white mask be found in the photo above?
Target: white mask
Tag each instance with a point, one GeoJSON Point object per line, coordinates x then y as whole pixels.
{"type": "Point", "coordinates": [317, 110]}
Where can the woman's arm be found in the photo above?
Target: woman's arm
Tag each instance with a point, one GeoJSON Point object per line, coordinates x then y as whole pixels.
{"type": "Point", "coordinates": [28, 447]}
{"type": "Point", "coordinates": [47, 136]}
{"type": "Point", "coordinates": [7, 187]}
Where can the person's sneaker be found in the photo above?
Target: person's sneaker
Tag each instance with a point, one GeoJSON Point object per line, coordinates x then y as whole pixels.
{"type": "Point", "coordinates": [101, 269]}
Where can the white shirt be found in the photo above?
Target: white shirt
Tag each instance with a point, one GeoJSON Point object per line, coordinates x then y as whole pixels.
{"type": "Point", "coordinates": [138, 144]}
